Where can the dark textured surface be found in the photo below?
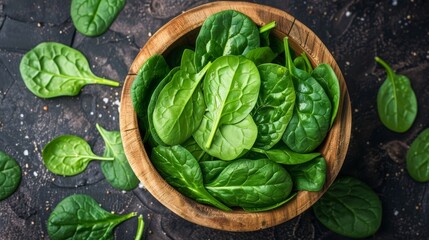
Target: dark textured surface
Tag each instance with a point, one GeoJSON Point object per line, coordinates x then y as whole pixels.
{"type": "Point", "coordinates": [354, 30]}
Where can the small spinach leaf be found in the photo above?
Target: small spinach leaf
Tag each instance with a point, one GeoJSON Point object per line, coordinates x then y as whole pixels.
{"type": "Point", "coordinates": [261, 55]}
{"type": "Point", "coordinates": [251, 184]}
{"type": "Point", "coordinates": [68, 155]}
{"type": "Point", "coordinates": [92, 18]}
{"type": "Point", "coordinates": [396, 101]}
{"type": "Point", "coordinates": [80, 217]}
{"type": "Point", "coordinates": [274, 108]}
{"type": "Point", "coordinates": [349, 208]}
{"type": "Point", "coordinates": [117, 172]}
{"type": "Point", "coordinates": [231, 89]}
{"type": "Point", "coordinates": [283, 155]}
{"type": "Point", "coordinates": [309, 176]}
{"type": "Point", "coordinates": [150, 74]}
{"type": "Point", "coordinates": [10, 175]}
{"type": "Point", "coordinates": [212, 168]}
{"type": "Point", "coordinates": [53, 69]}
{"type": "Point", "coordinates": [180, 105]}
{"type": "Point", "coordinates": [225, 33]}
{"type": "Point", "coordinates": [181, 170]}
{"type": "Point", "coordinates": [418, 157]}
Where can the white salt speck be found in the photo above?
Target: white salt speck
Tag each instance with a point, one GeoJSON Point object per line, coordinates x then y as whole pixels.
{"type": "Point", "coordinates": [21, 115]}
{"type": "Point", "coordinates": [91, 113]}
{"type": "Point", "coordinates": [22, 123]}
{"type": "Point", "coordinates": [100, 115]}
{"type": "Point", "coordinates": [395, 3]}
{"type": "Point", "coordinates": [25, 152]}
{"type": "Point", "coordinates": [348, 63]}
{"type": "Point", "coordinates": [105, 100]}
{"type": "Point", "coordinates": [141, 185]}
{"type": "Point", "coordinates": [26, 137]}
{"type": "Point", "coordinates": [35, 174]}
{"type": "Point", "coordinates": [149, 34]}
{"type": "Point", "coordinates": [348, 13]}
{"type": "Point", "coordinates": [123, 191]}
{"type": "Point", "coordinates": [396, 212]}
{"type": "Point", "coordinates": [113, 118]}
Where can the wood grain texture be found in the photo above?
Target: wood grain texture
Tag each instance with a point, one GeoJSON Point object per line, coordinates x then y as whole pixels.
{"type": "Point", "coordinates": [183, 29]}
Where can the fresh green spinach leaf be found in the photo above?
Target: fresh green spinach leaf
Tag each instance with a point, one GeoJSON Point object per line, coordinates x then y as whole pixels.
{"type": "Point", "coordinates": [418, 157]}
{"type": "Point", "coordinates": [396, 101]}
{"type": "Point", "coordinates": [174, 56]}
{"type": "Point", "coordinates": [53, 69]}
{"type": "Point", "coordinates": [225, 33]}
{"type": "Point", "coordinates": [181, 170]}
{"type": "Point", "coordinates": [68, 155]}
{"type": "Point", "coordinates": [94, 17]}
{"type": "Point", "coordinates": [192, 146]}
{"type": "Point", "coordinates": [275, 104]}
{"type": "Point", "coordinates": [180, 105]}
{"type": "Point", "coordinates": [349, 208]}
{"type": "Point", "coordinates": [117, 172]}
{"type": "Point", "coordinates": [309, 176]}
{"type": "Point", "coordinates": [212, 168]}
{"type": "Point", "coordinates": [80, 217]}
{"type": "Point", "coordinates": [10, 175]}
{"type": "Point", "coordinates": [303, 63]}
{"type": "Point", "coordinates": [251, 184]}
{"type": "Point", "coordinates": [231, 89]}
{"type": "Point", "coordinates": [261, 55]}
{"type": "Point", "coordinates": [274, 206]}
{"type": "Point", "coordinates": [283, 155]}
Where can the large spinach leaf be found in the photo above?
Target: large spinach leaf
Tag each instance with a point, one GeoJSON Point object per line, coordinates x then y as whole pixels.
{"type": "Point", "coordinates": [181, 170]}
{"type": "Point", "coordinates": [309, 176]}
{"type": "Point", "coordinates": [396, 101]}
{"type": "Point", "coordinates": [312, 114]}
{"type": "Point", "coordinates": [10, 175]}
{"type": "Point", "coordinates": [180, 105]}
{"type": "Point", "coordinates": [80, 217]}
{"type": "Point", "coordinates": [225, 33]}
{"type": "Point", "coordinates": [117, 172]}
{"type": "Point", "coordinates": [54, 69]}
{"type": "Point", "coordinates": [230, 140]}
{"type": "Point", "coordinates": [274, 108]}
{"type": "Point", "coordinates": [68, 155]}
{"type": "Point", "coordinates": [283, 155]}
{"type": "Point", "coordinates": [150, 74]}
{"type": "Point", "coordinates": [231, 89]}
{"type": "Point", "coordinates": [251, 184]}
{"type": "Point", "coordinates": [349, 208]}
{"type": "Point", "coordinates": [94, 17]}
{"type": "Point", "coordinates": [418, 157]}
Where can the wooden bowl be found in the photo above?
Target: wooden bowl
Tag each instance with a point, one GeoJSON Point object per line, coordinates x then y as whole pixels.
{"type": "Point", "coordinates": [183, 29]}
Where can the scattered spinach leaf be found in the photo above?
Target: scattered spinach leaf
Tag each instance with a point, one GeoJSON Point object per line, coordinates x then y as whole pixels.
{"type": "Point", "coordinates": [309, 176]}
{"type": "Point", "coordinates": [80, 217]}
{"type": "Point", "coordinates": [10, 175]}
{"type": "Point", "coordinates": [396, 101]}
{"type": "Point", "coordinates": [117, 172]}
{"type": "Point", "coordinates": [349, 208]}
{"type": "Point", "coordinates": [418, 157]}
{"type": "Point", "coordinates": [170, 162]}
{"type": "Point", "coordinates": [68, 155]}
{"type": "Point", "coordinates": [53, 69]}
{"type": "Point", "coordinates": [251, 184]}
{"type": "Point", "coordinates": [93, 18]}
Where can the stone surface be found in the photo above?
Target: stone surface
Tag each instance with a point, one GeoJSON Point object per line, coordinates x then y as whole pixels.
{"type": "Point", "coordinates": [355, 32]}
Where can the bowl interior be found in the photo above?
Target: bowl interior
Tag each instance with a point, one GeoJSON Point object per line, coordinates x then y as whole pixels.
{"type": "Point", "coordinates": [183, 30]}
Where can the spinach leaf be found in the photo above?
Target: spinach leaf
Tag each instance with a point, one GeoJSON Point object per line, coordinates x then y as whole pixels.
{"type": "Point", "coordinates": [283, 155]}
{"type": "Point", "coordinates": [10, 175]}
{"type": "Point", "coordinates": [418, 157]}
{"type": "Point", "coordinates": [274, 206]}
{"type": "Point", "coordinates": [94, 17]}
{"type": "Point", "coordinates": [312, 114]}
{"type": "Point", "coordinates": [80, 217]}
{"type": "Point", "coordinates": [349, 208]}
{"type": "Point", "coordinates": [140, 228]}
{"type": "Point", "coordinates": [68, 155]}
{"type": "Point", "coordinates": [261, 55]}
{"type": "Point", "coordinates": [180, 105]}
{"type": "Point", "coordinates": [225, 33]}
{"type": "Point", "coordinates": [53, 69]}
{"type": "Point", "coordinates": [309, 176]}
{"type": "Point", "coordinates": [274, 108]}
{"type": "Point", "coordinates": [326, 77]}
{"type": "Point", "coordinates": [264, 33]}
{"type": "Point", "coordinates": [181, 170]}
{"type": "Point", "coordinates": [117, 172]}
{"type": "Point", "coordinates": [212, 168]}
{"type": "Point", "coordinates": [150, 74]}
{"type": "Point", "coordinates": [396, 101]}
{"type": "Point", "coordinates": [251, 184]}
{"type": "Point", "coordinates": [230, 140]}
{"type": "Point", "coordinates": [302, 62]}
{"type": "Point", "coordinates": [154, 138]}
{"type": "Point", "coordinates": [231, 89]}
{"type": "Point", "coordinates": [192, 146]}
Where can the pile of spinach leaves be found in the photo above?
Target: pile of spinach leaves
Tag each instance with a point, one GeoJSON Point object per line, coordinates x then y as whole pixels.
{"type": "Point", "coordinates": [239, 121]}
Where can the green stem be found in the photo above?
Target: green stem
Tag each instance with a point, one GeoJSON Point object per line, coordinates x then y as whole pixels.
{"type": "Point", "coordinates": [389, 70]}
{"type": "Point", "coordinates": [95, 157]}
{"type": "Point", "coordinates": [289, 62]}
{"type": "Point", "coordinates": [307, 62]}
{"type": "Point", "coordinates": [107, 82]}
{"type": "Point", "coordinates": [140, 228]}
{"type": "Point", "coordinates": [267, 27]}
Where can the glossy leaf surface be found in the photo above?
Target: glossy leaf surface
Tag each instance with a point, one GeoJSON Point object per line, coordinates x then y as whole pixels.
{"type": "Point", "coordinates": [309, 176]}
{"type": "Point", "coordinates": [10, 175]}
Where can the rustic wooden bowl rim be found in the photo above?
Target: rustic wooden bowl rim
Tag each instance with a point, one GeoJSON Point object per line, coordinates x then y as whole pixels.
{"type": "Point", "coordinates": [334, 148]}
